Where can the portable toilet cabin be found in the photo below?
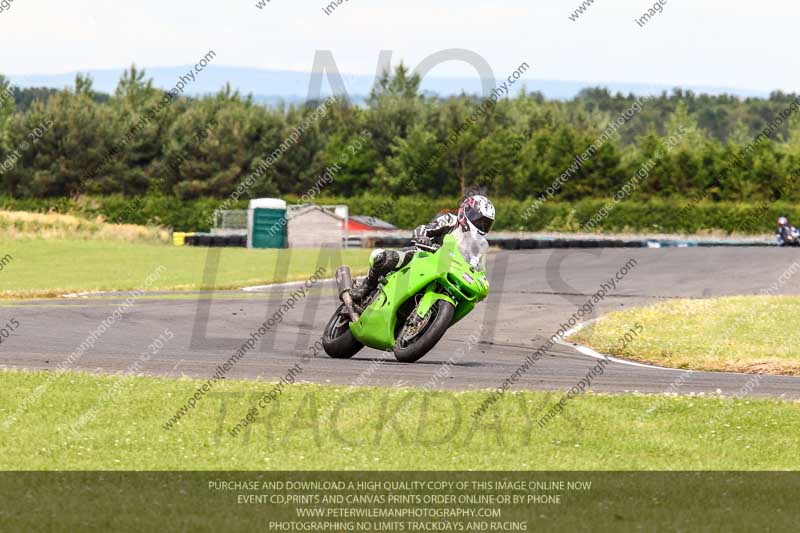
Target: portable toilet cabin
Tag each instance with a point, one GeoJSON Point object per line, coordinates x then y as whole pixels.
{"type": "Point", "coordinates": [266, 223]}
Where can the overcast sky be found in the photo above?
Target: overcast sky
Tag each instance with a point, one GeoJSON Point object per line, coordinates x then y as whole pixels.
{"type": "Point", "coordinates": [732, 43]}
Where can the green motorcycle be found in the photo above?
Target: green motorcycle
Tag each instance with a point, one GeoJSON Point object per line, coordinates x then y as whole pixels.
{"type": "Point", "coordinates": [412, 308]}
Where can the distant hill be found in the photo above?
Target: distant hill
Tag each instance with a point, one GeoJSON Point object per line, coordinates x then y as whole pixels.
{"type": "Point", "coordinates": [274, 86]}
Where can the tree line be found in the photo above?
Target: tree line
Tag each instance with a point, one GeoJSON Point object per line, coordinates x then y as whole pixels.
{"type": "Point", "coordinates": [101, 144]}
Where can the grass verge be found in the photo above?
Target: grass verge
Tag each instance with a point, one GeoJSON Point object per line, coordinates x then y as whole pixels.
{"type": "Point", "coordinates": [752, 334]}
{"type": "Point", "coordinates": [40, 268]}
{"type": "Point", "coordinates": [314, 427]}
{"type": "Point", "coordinates": [22, 225]}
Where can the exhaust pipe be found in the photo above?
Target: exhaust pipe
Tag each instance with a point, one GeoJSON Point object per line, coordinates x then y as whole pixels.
{"type": "Point", "coordinates": [344, 282]}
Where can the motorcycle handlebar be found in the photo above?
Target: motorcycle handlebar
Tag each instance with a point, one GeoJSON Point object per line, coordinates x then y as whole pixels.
{"type": "Point", "coordinates": [425, 247]}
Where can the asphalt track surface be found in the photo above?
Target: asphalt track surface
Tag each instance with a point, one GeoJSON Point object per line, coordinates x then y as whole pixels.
{"type": "Point", "coordinates": [533, 292]}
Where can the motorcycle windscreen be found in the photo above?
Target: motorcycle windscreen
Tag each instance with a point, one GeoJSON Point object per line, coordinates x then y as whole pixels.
{"type": "Point", "coordinates": [473, 248]}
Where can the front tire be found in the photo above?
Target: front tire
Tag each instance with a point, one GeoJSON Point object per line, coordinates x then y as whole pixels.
{"type": "Point", "coordinates": [413, 343]}
{"type": "Point", "coordinates": [337, 339]}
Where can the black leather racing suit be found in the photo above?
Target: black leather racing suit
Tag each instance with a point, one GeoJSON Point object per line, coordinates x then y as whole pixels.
{"type": "Point", "coordinates": [435, 230]}
{"type": "Point", "coordinates": [382, 261]}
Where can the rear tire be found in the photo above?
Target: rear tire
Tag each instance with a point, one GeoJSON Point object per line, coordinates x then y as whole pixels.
{"type": "Point", "coordinates": [412, 350]}
{"type": "Point", "coordinates": [337, 339]}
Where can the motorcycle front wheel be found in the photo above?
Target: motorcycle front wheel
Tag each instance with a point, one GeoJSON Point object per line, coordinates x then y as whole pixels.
{"type": "Point", "coordinates": [337, 339]}
{"type": "Point", "coordinates": [418, 336]}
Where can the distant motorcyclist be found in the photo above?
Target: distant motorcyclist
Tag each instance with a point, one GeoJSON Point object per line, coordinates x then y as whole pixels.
{"type": "Point", "coordinates": [476, 215]}
{"type": "Point", "coordinates": [787, 235]}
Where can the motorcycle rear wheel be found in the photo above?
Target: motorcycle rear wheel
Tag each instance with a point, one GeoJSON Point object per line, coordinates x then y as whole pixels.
{"type": "Point", "coordinates": [337, 339]}
{"type": "Point", "coordinates": [412, 344]}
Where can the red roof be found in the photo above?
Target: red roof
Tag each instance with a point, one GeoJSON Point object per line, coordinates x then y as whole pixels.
{"type": "Point", "coordinates": [362, 223]}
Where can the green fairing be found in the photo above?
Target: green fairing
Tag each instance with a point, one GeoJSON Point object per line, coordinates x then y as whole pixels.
{"type": "Point", "coordinates": [443, 275]}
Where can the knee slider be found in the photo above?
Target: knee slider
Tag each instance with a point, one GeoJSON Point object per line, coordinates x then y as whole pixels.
{"type": "Point", "coordinates": [377, 258]}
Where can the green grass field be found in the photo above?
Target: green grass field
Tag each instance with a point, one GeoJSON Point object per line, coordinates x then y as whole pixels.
{"type": "Point", "coordinates": [53, 267]}
{"type": "Point", "coordinates": [317, 427]}
{"type": "Point", "coordinates": [752, 334]}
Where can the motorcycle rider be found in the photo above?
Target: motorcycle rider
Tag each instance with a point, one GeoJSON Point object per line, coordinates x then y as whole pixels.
{"type": "Point", "coordinates": [786, 232]}
{"type": "Point", "coordinates": [476, 215]}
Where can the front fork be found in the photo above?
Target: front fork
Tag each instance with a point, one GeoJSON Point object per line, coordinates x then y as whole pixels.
{"type": "Point", "coordinates": [429, 299]}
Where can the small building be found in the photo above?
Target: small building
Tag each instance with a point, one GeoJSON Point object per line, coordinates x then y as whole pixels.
{"type": "Point", "coordinates": [314, 226]}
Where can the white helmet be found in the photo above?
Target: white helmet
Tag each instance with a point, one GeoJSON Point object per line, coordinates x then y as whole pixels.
{"type": "Point", "coordinates": [476, 215]}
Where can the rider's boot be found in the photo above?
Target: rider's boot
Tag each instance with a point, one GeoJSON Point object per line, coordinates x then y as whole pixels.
{"type": "Point", "coordinates": [381, 262]}
{"type": "Point", "coordinates": [366, 286]}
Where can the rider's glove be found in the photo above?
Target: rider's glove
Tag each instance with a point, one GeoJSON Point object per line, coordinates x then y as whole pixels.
{"type": "Point", "coordinates": [419, 231]}
{"type": "Point", "coordinates": [425, 242]}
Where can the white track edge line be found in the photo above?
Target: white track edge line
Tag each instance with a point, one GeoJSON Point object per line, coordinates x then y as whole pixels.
{"type": "Point", "coordinates": [256, 288]}
{"type": "Point", "coordinates": [585, 350]}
